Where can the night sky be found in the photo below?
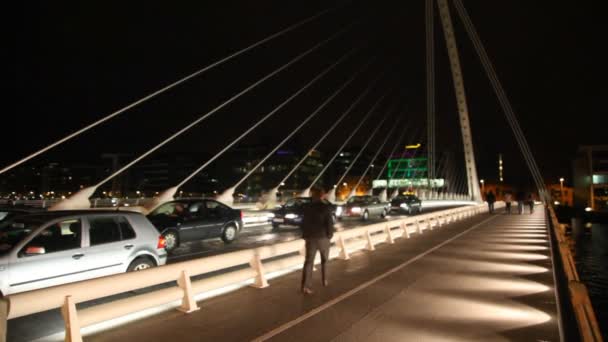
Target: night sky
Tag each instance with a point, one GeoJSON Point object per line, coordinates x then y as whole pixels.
{"type": "Point", "coordinates": [74, 63]}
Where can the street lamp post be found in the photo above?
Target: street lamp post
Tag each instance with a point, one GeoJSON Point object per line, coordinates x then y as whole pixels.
{"type": "Point", "coordinates": [561, 189]}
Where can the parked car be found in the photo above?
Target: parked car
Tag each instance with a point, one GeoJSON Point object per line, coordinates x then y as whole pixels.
{"type": "Point", "coordinates": [58, 247]}
{"type": "Point", "coordinates": [406, 203]}
{"type": "Point", "coordinates": [290, 213]}
{"type": "Point", "coordinates": [363, 207]}
{"type": "Point", "coordinates": [196, 219]}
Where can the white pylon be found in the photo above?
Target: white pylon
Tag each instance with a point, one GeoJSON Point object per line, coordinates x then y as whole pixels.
{"type": "Point", "coordinates": [79, 200]}
{"type": "Point", "coordinates": [165, 196]}
{"type": "Point", "coordinates": [331, 195]}
{"type": "Point", "coordinates": [268, 199]}
{"type": "Point", "coordinates": [226, 196]}
{"type": "Point", "coordinates": [352, 193]}
{"type": "Point", "coordinates": [395, 193]}
{"type": "Point", "coordinates": [382, 195]}
{"type": "Point", "coordinates": [305, 193]}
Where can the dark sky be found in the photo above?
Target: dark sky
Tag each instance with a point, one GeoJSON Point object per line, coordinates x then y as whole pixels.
{"type": "Point", "coordinates": [74, 63]}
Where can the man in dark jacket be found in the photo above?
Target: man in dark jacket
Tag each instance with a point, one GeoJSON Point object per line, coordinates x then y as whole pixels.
{"type": "Point", "coordinates": [490, 198]}
{"type": "Point", "coordinates": [317, 230]}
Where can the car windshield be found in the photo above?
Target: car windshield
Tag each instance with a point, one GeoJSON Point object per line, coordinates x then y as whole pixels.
{"type": "Point", "coordinates": [356, 200]}
{"type": "Point", "coordinates": [12, 232]}
{"type": "Point", "coordinates": [297, 202]}
{"type": "Point", "coordinates": [175, 209]}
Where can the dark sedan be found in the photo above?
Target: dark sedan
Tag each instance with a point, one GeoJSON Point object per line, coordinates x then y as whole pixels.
{"type": "Point", "coordinates": [406, 203]}
{"type": "Point", "coordinates": [291, 212]}
{"type": "Point", "coordinates": [196, 219]}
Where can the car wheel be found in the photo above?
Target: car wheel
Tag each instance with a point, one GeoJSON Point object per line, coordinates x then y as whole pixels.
{"type": "Point", "coordinates": [409, 210]}
{"type": "Point", "coordinates": [275, 227]}
{"type": "Point", "coordinates": [365, 216]}
{"type": "Point", "coordinates": [383, 214]}
{"type": "Point", "coordinates": [171, 240]}
{"type": "Point", "coordinates": [140, 264]}
{"type": "Point", "coordinates": [229, 234]}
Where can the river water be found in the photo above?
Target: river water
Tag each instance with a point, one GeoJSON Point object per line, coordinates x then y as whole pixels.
{"type": "Point", "coordinates": [591, 258]}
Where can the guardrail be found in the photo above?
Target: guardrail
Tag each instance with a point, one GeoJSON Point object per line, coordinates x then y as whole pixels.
{"type": "Point", "coordinates": [579, 296]}
{"type": "Point", "coordinates": [257, 262]}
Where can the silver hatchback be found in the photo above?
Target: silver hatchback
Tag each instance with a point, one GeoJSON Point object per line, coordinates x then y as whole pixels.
{"type": "Point", "coordinates": [53, 248]}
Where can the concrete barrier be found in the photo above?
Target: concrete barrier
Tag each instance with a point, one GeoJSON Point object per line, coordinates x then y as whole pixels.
{"type": "Point", "coordinates": [247, 265]}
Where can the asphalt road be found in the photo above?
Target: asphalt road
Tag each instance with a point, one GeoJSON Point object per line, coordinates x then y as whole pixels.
{"type": "Point", "coordinates": [47, 323]}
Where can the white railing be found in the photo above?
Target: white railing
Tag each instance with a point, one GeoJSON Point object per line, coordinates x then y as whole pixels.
{"type": "Point", "coordinates": [255, 262]}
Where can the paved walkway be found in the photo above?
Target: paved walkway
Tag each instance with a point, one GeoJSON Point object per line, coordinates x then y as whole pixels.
{"type": "Point", "coordinates": [487, 278]}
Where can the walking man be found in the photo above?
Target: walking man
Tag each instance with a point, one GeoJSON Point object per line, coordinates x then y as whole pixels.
{"type": "Point", "coordinates": [508, 198]}
{"type": "Point", "coordinates": [317, 231]}
{"type": "Point", "coordinates": [531, 203]}
{"type": "Point", "coordinates": [521, 197]}
{"type": "Point", "coordinates": [490, 198]}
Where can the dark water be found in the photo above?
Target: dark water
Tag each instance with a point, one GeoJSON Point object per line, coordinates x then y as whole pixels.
{"type": "Point", "coordinates": [591, 257]}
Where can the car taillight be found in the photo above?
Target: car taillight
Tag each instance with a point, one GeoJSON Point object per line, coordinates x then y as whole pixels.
{"type": "Point", "coordinates": [241, 214]}
{"type": "Point", "coordinates": [162, 243]}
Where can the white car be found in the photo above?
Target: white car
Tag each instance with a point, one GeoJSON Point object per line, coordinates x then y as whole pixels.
{"type": "Point", "coordinates": [52, 248]}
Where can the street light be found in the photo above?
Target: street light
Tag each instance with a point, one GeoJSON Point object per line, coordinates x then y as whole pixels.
{"type": "Point", "coordinates": [483, 185]}
{"type": "Point", "coordinates": [561, 189]}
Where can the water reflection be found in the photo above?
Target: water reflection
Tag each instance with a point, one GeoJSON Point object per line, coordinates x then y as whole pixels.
{"type": "Point", "coordinates": [591, 257]}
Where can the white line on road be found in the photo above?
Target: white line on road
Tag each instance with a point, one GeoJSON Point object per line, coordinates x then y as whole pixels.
{"type": "Point", "coordinates": [350, 293]}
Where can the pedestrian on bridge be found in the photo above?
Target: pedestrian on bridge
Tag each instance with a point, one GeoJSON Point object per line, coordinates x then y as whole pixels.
{"type": "Point", "coordinates": [508, 198]}
{"type": "Point", "coordinates": [317, 231]}
{"type": "Point", "coordinates": [521, 197]}
{"type": "Point", "coordinates": [490, 198]}
{"type": "Point", "coordinates": [531, 203]}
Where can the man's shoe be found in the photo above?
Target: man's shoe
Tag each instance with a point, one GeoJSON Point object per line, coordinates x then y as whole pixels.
{"type": "Point", "coordinates": [307, 291]}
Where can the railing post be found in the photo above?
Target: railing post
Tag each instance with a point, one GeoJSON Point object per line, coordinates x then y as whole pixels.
{"type": "Point", "coordinates": [3, 318]}
{"type": "Point", "coordinates": [260, 279]}
{"type": "Point", "coordinates": [370, 243]}
{"type": "Point", "coordinates": [406, 233]}
{"type": "Point", "coordinates": [429, 222]}
{"type": "Point", "coordinates": [389, 236]}
{"type": "Point", "coordinates": [418, 227]}
{"type": "Point", "coordinates": [70, 319]}
{"type": "Point", "coordinates": [342, 245]}
{"type": "Point", "coordinates": [188, 303]}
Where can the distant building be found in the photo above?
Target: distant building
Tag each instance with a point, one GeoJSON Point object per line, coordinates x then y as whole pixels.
{"type": "Point", "coordinates": [564, 195]}
{"type": "Point", "coordinates": [591, 177]}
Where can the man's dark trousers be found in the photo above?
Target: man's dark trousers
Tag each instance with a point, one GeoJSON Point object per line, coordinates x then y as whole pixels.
{"type": "Point", "coordinates": [312, 246]}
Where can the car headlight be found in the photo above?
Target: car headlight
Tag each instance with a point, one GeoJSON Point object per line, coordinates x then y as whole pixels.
{"type": "Point", "coordinates": [355, 210]}
{"type": "Point", "coordinates": [291, 216]}
{"type": "Point", "coordinates": [403, 205]}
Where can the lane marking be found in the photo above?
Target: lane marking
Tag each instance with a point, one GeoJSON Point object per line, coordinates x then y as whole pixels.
{"type": "Point", "coordinates": [352, 292]}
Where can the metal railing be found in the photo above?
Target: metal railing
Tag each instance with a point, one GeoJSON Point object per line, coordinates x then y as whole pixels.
{"type": "Point", "coordinates": [579, 296]}
{"type": "Point", "coordinates": [256, 264]}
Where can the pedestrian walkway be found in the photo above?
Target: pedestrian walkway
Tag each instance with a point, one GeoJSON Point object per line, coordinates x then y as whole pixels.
{"type": "Point", "coordinates": [488, 278]}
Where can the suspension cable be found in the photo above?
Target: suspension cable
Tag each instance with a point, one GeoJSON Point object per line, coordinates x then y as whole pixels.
{"type": "Point", "coordinates": [274, 111]}
{"type": "Point", "coordinates": [319, 141]}
{"type": "Point", "coordinates": [366, 143]}
{"type": "Point", "coordinates": [388, 135]}
{"type": "Point", "coordinates": [227, 102]}
{"type": "Point", "coordinates": [302, 124]}
{"type": "Point", "coordinates": [503, 99]}
{"type": "Point", "coordinates": [352, 134]}
{"type": "Point", "coordinates": [168, 87]}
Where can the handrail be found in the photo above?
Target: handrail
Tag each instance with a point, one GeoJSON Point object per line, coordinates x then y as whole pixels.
{"type": "Point", "coordinates": [588, 327]}
{"type": "Point", "coordinates": [254, 263]}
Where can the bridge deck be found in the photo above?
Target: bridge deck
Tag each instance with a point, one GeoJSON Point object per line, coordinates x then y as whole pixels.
{"type": "Point", "coordinates": [487, 278]}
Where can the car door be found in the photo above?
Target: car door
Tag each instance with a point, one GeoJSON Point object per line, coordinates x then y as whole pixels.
{"type": "Point", "coordinates": [105, 250]}
{"type": "Point", "coordinates": [216, 216]}
{"type": "Point", "coordinates": [51, 257]}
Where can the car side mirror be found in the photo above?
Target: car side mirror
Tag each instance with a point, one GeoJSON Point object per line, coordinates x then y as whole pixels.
{"type": "Point", "coordinates": [34, 250]}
